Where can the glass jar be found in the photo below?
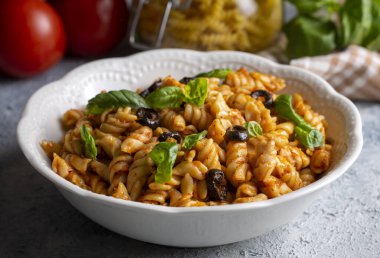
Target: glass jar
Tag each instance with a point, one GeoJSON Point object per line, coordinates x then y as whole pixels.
{"type": "Point", "coordinates": [245, 25]}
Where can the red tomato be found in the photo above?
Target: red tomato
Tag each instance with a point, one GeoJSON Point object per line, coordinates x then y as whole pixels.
{"type": "Point", "coordinates": [93, 27]}
{"type": "Point", "coordinates": [32, 37]}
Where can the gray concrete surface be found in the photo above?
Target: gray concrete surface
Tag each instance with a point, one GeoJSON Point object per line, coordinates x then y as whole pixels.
{"type": "Point", "coordinates": [35, 220]}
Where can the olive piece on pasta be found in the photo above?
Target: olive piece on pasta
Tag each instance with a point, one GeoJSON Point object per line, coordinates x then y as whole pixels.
{"type": "Point", "coordinates": [166, 135]}
{"type": "Point", "coordinates": [186, 80]}
{"type": "Point", "coordinates": [237, 133]}
{"type": "Point", "coordinates": [267, 96]}
{"type": "Point", "coordinates": [154, 86]}
{"type": "Point", "coordinates": [216, 185]}
{"type": "Point", "coordinates": [148, 117]}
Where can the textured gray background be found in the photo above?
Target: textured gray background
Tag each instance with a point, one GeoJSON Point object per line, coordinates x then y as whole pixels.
{"type": "Point", "coordinates": [35, 220]}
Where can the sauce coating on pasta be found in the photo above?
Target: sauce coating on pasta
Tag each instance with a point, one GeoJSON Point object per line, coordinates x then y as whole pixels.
{"type": "Point", "coordinates": [198, 131]}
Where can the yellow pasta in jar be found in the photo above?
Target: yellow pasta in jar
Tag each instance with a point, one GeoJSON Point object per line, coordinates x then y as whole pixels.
{"type": "Point", "coordinates": [249, 25]}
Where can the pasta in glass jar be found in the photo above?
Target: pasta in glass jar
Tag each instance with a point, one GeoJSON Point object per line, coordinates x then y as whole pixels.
{"type": "Point", "coordinates": [245, 25]}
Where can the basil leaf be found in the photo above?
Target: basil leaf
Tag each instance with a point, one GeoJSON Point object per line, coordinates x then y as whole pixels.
{"type": "Point", "coordinates": [309, 36]}
{"type": "Point", "coordinates": [114, 99]}
{"type": "Point", "coordinates": [309, 7]}
{"type": "Point", "coordinates": [88, 143]}
{"type": "Point", "coordinates": [308, 136]}
{"type": "Point", "coordinates": [167, 97]}
{"type": "Point", "coordinates": [284, 108]}
{"type": "Point", "coordinates": [253, 128]}
{"type": "Point", "coordinates": [196, 91]}
{"type": "Point", "coordinates": [372, 39]}
{"type": "Point", "coordinates": [305, 133]}
{"type": "Point", "coordinates": [356, 20]}
{"type": "Point", "coordinates": [164, 156]}
{"type": "Point", "coordinates": [217, 73]}
{"type": "Point", "coordinates": [190, 140]}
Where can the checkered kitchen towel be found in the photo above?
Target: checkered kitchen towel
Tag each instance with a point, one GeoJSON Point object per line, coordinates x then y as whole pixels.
{"type": "Point", "coordinates": [354, 72]}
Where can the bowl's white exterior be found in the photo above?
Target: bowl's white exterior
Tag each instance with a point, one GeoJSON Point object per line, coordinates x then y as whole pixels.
{"type": "Point", "coordinates": [193, 226]}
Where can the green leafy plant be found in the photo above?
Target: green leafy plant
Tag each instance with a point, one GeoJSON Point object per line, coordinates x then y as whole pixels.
{"type": "Point", "coordinates": [112, 99]}
{"type": "Point", "coordinates": [164, 155]}
{"type": "Point", "coordinates": [172, 97]}
{"type": "Point", "coordinates": [323, 26]}
{"type": "Point", "coordinates": [196, 91]}
{"type": "Point", "coordinates": [190, 140]}
{"type": "Point", "coordinates": [305, 133]}
{"type": "Point", "coordinates": [309, 36]}
{"type": "Point", "coordinates": [167, 97]}
{"type": "Point", "coordinates": [88, 143]}
{"type": "Point", "coordinates": [253, 128]}
{"type": "Point", "coordinates": [218, 73]}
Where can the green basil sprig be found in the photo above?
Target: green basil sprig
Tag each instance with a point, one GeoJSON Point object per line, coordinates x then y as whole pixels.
{"type": "Point", "coordinates": [253, 128]}
{"type": "Point", "coordinates": [167, 97]}
{"type": "Point", "coordinates": [310, 36]}
{"type": "Point", "coordinates": [113, 99]}
{"type": "Point", "coordinates": [360, 23]}
{"type": "Point", "coordinates": [307, 7]}
{"type": "Point", "coordinates": [308, 135]}
{"type": "Point", "coordinates": [192, 139]}
{"type": "Point", "coordinates": [196, 91]}
{"type": "Point", "coordinates": [88, 143]}
{"type": "Point", "coordinates": [172, 97]}
{"type": "Point", "coordinates": [305, 133]}
{"type": "Point", "coordinates": [164, 155]}
{"type": "Point", "coordinates": [217, 73]}
{"type": "Point", "coordinates": [323, 26]}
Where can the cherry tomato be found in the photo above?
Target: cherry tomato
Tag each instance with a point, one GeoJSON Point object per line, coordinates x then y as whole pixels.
{"type": "Point", "coordinates": [93, 27]}
{"type": "Point", "coordinates": [32, 37]}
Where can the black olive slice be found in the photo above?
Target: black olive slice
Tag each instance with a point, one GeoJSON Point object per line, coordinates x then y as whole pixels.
{"type": "Point", "coordinates": [237, 133]}
{"type": "Point", "coordinates": [216, 185]}
{"type": "Point", "coordinates": [166, 135]}
{"type": "Point", "coordinates": [268, 98]}
{"type": "Point", "coordinates": [154, 86]}
{"type": "Point", "coordinates": [148, 117]}
{"type": "Point", "coordinates": [186, 80]}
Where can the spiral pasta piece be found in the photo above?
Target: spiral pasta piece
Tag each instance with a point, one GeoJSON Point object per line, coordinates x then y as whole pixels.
{"type": "Point", "coordinates": [118, 170]}
{"type": "Point", "coordinates": [256, 198]}
{"type": "Point", "coordinates": [121, 192]}
{"type": "Point", "coordinates": [173, 121]}
{"type": "Point", "coordinates": [62, 168]}
{"type": "Point", "coordinates": [80, 164]}
{"type": "Point", "coordinates": [96, 183]}
{"type": "Point", "coordinates": [288, 174]}
{"type": "Point", "coordinates": [320, 161]}
{"type": "Point", "coordinates": [141, 167]}
{"type": "Point", "coordinates": [307, 176]}
{"type": "Point", "coordinates": [50, 148]}
{"type": "Point", "coordinates": [117, 122]}
{"type": "Point", "coordinates": [266, 162]}
{"type": "Point", "coordinates": [295, 156]}
{"type": "Point", "coordinates": [256, 111]}
{"type": "Point", "coordinates": [71, 117]}
{"type": "Point", "coordinates": [195, 168]}
{"type": "Point", "coordinates": [136, 140]}
{"type": "Point", "coordinates": [197, 116]}
{"type": "Point", "coordinates": [238, 170]}
{"type": "Point", "coordinates": [274, 187]}
{"type": "Point", "coordinates": [207, 153]}
{"type": "Point", "coordinates": [218, 128]}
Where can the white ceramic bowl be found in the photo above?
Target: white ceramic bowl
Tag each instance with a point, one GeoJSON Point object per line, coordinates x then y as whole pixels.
{"type": "Point", "coordinates": [193, 226]}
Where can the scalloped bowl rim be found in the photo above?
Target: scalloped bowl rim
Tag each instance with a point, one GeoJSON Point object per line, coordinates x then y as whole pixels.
{"type": "Point", "coordinates": [353, 153]}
